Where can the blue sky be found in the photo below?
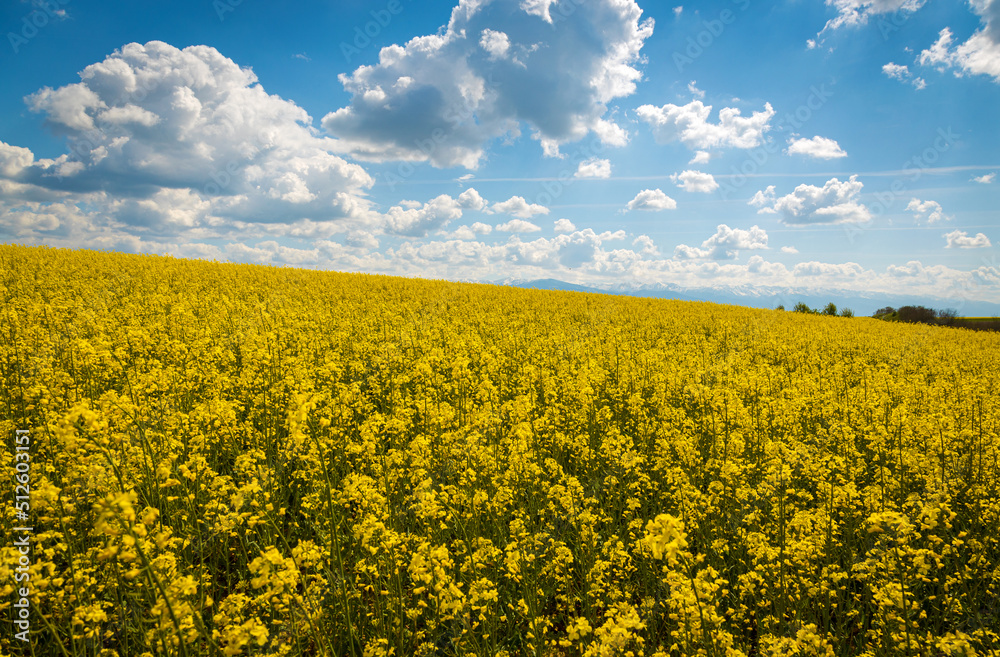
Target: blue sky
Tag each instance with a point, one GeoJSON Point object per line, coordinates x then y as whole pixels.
{"type": "Point", "coordinates": [807, 145]}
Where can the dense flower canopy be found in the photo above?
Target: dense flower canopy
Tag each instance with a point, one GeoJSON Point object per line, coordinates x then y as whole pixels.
{"type": "Point", "coordinates": [251, 460]}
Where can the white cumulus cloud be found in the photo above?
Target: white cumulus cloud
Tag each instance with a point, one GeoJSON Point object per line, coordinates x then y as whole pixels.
{"type": "Point", "coordinates": [820, 148]}
{"type": "Point", "coordinates": [564, 226]}
{"type": "Point", "coordinates": [471, 200]}
{"type": "Point", "coordinates": [445, 97]}
{"type": "Point", "coordinates": [725, 244]}
{"type": "Point", "coordinates": [518, 207]}
{"type": "Point", "coordinates": [14, 160]}
{"type": "Point", "coordinates": [835, 202]}
{"type": "Point", "coordinates": [418, 221]}
{"type": "Point", "coordinates": [594, 168]}
{"type": "Point", "coordinates": [652, 200]}
{"type": "Point", "coordinates": [646, 245]}
{"type": "Point", "coordinates": [153, 117]}
{"type": "Point", "coordinates": [518, 226]}
{"type": "Point", "coordinates": [691, 125]}
{"type": "Point", "coordinates": [701, 157]}
{"type": "Point", "coordinates": [959, 239]}
{"type": "Point", "coordinates": [979, 55]}
{"type": "Point", "coordinates": [829, 270]}
{"type": "Point", "coordinates": [929, 211]}
{"type": "Point", "coordinates": [495, 43]}
{"type": "Point", "coordinates": [695, 181]}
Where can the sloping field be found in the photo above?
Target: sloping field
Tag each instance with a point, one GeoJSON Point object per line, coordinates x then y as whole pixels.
{"type": "Point", "coordinates": [228, 460]}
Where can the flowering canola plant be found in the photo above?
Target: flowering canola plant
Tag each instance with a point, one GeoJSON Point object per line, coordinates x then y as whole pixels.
{"type": "Point", "coordinates": [240, 460]}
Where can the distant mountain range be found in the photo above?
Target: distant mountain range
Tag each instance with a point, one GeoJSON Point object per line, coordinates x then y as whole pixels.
{"type": "Point", "coordinates": [863, 304]}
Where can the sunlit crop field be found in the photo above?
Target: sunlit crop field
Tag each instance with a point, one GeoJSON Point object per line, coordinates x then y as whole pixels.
{"type": "Point", "coordinates": [236, 460]}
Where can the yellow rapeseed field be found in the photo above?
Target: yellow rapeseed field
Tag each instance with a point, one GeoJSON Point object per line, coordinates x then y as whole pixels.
{"type": "Point", "coordinates": [236, 460]}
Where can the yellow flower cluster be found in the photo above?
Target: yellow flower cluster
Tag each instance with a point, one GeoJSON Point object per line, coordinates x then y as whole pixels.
{"type": "Point", "coordinates": [240, 460]}
{"type": "Point", "coordinates": [665, 537]}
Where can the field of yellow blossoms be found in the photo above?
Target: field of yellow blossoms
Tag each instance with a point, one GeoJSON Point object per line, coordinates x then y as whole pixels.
{"type": "Point", "coordinates": [242, 460]}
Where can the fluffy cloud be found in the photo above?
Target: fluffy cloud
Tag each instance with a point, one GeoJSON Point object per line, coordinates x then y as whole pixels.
{"type": "Point", "coordinates": [418, 221]}
{"type": "Point", "coordinates": [497, 44]}
{"type": "Point", "coordinates": [471, 200]}
{"type": "Point", "coordinates": [580, 249]}
{"type": "Point", "coordinates": [443, 98]}
{"type": "Point", "coordinates": [959, 239]}
{"type": "Point", "coordinates": [51, 223]}
{"type": "Point", "coordinates": [725, 244]}
{"type": "Point", "coordinates": [167, 211]}
{"type": "Point", "coordinates": [690, 124]}
{"type": "Point", "coordinates": [789, 249]}
{"type": "Point", "coordinates": [14, 160]}
{"type": "Point", "coordinates": [985, 179]}
{"type": "Point", "coordinates": [831, 271]}
{"type": "Point", "coordinates": [646, 245]}
{"type": "Point", "coordinates": [610, 133]}
{"type": "Point", "coordinates": [902, 73]}
{"type": "Point", "coordinates": [363, 239]}
{"type": "Point", "coordinates": [929, 211]}
{"type": "Point", "coordinates": [594, 168]}
{"type": "Point", "coordinates": [896, 71]}
{"type": "Point", "coordinates": [652, 200]}
{"type": "Point", "coordinates": [695, 181]}
{"type": "Point", "coordinates": [764, 200]}
{"type": "Point", "coordinates": [834, 203]}
{"type": "Point", "coordinates": [941, 281]}
{"type": "Point", "coordinates": [152, 118]}
{"type": "Point", "coordinates": [518, 226]}
{"type": "Point", "coordinates": [564, 226]}
{"type": "Point", "coordinates": [701, 157]}
{"type": "Point", "coordinates": [979, 55]}
{"type": "Point", "coordinates": [820, 148]}
{"type": "Point", "coordinates": [759, 267]}
{"type": "Point", "coordinates": [518, 207]}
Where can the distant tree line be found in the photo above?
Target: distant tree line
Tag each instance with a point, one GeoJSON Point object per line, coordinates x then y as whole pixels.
{"type": "Point", "coordinates": [830, 309]}
{"type": "Point", "coordinates": [909, 315]}
{"type": "Point", "coordinates": [947, 317]}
